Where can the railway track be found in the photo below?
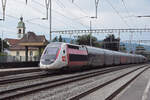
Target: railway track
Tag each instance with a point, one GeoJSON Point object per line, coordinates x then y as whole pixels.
{"type": "Point", "coordinates": [17, 92]}
{"type": "Point", "coordinates": [31, 75]}
{"type": "Point", "coordinates": [112, 95]}
{"type": "Point", "coordinates": [22, 77]}
{"type": "Point", "coordinates": [15, 71]}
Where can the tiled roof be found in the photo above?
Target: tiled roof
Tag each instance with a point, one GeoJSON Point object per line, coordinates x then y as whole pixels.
{"type": "Point", "coordinates": [17, 47]}
{"type": "Point", "coordinates": [12, 42]}
{"type": "Point", "coordinates": [32, 37]}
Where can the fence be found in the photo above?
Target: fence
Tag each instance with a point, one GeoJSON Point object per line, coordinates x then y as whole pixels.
{"type": "Point", "coordinates": [5, 59]}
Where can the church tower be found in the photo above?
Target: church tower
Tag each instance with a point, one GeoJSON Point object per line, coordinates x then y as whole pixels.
{"type": "Point", "coordinates": [21, 28]}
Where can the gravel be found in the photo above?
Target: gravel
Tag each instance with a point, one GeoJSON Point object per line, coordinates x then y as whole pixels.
{"type": "Point", "coordinates": [34, 81]}
{"type": "Point", "coordinates": [66, 91]}
{"type": "Point", "coordinates": [21, 75]}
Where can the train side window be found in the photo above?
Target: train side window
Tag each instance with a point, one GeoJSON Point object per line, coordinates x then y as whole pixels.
{"type": "Point", "coordinates": [64, 51]}
{"type": "Point", "coordinates": [73, 47]}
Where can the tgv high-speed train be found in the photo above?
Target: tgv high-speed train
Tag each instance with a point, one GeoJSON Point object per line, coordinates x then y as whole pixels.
{"type": "Point", "coordinates": [59, 55]}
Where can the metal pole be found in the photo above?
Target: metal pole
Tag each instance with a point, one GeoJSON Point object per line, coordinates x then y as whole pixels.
{"type": "Point", "coordinates": [131, 48]}
{"type": "Point", "coordinates": [96, 6]}
{"type": "Point", "coordinates": [90, 33]}
{"type": "Point", "coordinates": [50, 21]}
{"type": "Point", "coordinates": [2, 43]}
{"type": "Point", "coordinates": [119, 42]}
{"type": "Point", "coordinates": [3, 7]}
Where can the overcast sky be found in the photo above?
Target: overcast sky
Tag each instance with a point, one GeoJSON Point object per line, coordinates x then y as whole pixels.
{"type": "Point", "coordinates": [67, 16]}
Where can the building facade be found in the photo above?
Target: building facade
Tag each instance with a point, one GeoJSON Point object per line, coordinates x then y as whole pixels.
{"type": "Point", "coordinates": [18, 52]}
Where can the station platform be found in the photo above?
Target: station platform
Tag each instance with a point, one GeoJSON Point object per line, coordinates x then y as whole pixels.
{"type": "Point", "coordinates": [139, 89]}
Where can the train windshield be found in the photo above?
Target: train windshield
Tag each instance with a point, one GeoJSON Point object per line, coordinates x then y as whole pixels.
{"type": "Point", "coordinates": [49, 55]}
{"type": "Point", "coordinates": [51, 51]}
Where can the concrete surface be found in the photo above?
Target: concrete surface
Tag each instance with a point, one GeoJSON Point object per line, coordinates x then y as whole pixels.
{"type": "Point", "coordinates": [139, 89]}
{"type": "Point", "coordinates": [106, 91]}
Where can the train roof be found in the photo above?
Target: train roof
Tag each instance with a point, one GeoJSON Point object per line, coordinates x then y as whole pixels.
{"type": "Point", "coordinates": [97, 49]}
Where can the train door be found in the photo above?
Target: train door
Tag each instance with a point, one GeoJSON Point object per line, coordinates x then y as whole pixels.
{"type": "Point", "coordinates": [64, 54]}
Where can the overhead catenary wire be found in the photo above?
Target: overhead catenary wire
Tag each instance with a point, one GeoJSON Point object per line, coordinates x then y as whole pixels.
{"type": "Point", "coordinates": [63, 15]}
{"type": "Point", "coordinates": [68, 18]}
{"type": "Point", "coordinates": [37, 24]}
{"type": "Point", "coordinates": [84, 12]}
{"type": "Point", "coordinates": [124, 4]}
{"type": "Point", "coordinates": [117, 12]}
{"type": "Point", "coordinates": [35, 9]}
{"type": "Point", "coordinates": [38, 11]}
{"type": "Point", "coordinates": [74, 19]}
{"type": "Point", "coordinates": [60, 4]}
{"type": "Point", "coordinates": [27, 21]}
{"type": "Point", "coordinates": [127, 11]}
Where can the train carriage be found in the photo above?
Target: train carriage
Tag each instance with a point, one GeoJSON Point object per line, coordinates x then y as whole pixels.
{"type": "Point", "coordinates": [77, 55]}
{"type": "Point", "coordinates": [116, 58]}
{"type": "Point", "coordinates": [59, 55]}
{"type": "Point", "coordinates": [95, 56]}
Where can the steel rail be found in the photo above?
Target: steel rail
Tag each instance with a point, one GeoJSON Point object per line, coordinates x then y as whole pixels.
{"type": "Point", "coordinates": [31, 77]}
{"type": "Point", "coordinates": [82, 95]}
{"type": "Point", "coordinates": [13, 93]}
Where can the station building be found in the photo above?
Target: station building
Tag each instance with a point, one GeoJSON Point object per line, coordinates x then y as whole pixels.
{"type": "Point", "coordinates": [142, 51]}
{"type": "Point", "coordinates": [28, 46]}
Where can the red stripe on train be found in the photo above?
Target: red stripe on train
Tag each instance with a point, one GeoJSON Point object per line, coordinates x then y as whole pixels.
{"type": "Point", "coordinates": [58, 53]}
{"type": "Point", "coordinates": [74, 63]}
{"type": "Point", "coordinates": [74, 51]}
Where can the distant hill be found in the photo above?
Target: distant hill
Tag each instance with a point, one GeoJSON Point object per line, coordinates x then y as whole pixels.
{"type": "Point", "coordinates": [134, 45]}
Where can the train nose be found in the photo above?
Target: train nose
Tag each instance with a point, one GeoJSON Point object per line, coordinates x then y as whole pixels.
{"type": "Point", "coordinates": [44, 67]}
{"type": "Point", "coordinates": [47, 61]}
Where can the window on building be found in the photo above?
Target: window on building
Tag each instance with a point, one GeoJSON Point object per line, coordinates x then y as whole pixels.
{"type": "Point", "coordinates": [19, 31]}
{"type": "Point", "coordinates": [17, 53]}
{"type": "Point", "coordinates": [31, 53]}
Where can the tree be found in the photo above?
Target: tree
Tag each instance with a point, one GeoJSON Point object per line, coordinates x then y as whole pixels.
{"type": "Point", "coordinates": [85, 40]}
{"type": "Point", "coordinates": [111, 43]}
{"type": "Point", "coordinates": [64, 40]}
{"type": "Point", "coordinates": [55, 39]}
{"type": "Point", "coordinates": [60, 39]}
{"type": "Point", "coordinates": [123, 48]}
{"type": "Point", "coordinates": [71, 41]}
{"type": "Point", "coordinates": [5, 45]}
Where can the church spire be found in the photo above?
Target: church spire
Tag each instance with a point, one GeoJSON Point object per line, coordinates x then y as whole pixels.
{"type": "Point", "coordinates": [21, 28]}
